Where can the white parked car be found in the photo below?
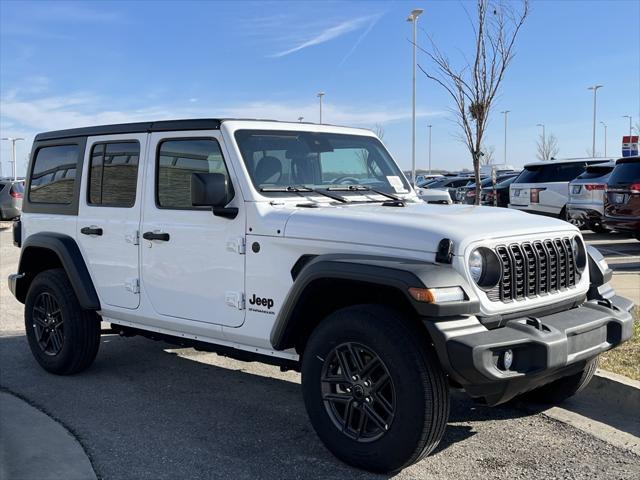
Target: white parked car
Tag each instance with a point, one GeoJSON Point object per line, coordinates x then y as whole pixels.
{"type": "Point", "coordinates": [543, 187]}
{"type": "Point", "coordinates": [434, 195]}
{"type": "Point", "coordinates": [304, 246]}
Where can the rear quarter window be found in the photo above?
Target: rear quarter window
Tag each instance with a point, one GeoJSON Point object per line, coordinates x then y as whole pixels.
{"type": "Point", "coordinates": [53, 174]}
{"type": "Point", "coordinates": [626, 172]}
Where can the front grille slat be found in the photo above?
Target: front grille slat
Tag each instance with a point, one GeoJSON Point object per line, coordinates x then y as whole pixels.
{"type": "Point", "coordinates": [533, 269]}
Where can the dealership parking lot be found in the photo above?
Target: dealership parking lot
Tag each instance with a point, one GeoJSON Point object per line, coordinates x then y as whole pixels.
{"type": "Point", "coordinates": [146, 410]}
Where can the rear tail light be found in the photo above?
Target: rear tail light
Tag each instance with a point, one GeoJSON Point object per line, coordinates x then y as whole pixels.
{"type": "Point", "coordinates": [15, 194]}
{"type": "Point", "coordinates": [634, 187]}
{"type": "Point", "coordinates": [594, 186]}
{"type": "Point", "coordinates": [471, 193]}
{"type": "Point", "coordinates": [534, 195]}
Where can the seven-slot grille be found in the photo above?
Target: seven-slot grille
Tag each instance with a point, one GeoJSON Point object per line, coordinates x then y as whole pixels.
{"type": "Point", "coordinates": [531, 269]}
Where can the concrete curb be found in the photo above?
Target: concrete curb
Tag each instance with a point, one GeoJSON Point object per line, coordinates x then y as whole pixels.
{"type": "Point", "coordinates": [606, 409]}
{"type": "Point", "coordinates": [616, 392]}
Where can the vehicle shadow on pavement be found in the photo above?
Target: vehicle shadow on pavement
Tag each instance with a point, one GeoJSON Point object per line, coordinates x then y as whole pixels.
{"type": "Point", "coordinates": [141, 412]}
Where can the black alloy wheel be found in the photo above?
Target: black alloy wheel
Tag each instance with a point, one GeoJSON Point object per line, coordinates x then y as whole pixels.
{"type": "Point", "coordinates": [358, 392]}
{"type": "Point", "coordinates": [48, 324]}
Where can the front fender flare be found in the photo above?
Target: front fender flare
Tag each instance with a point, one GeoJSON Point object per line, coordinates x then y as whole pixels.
{"type": "Point", "coordinates": [397, 273]}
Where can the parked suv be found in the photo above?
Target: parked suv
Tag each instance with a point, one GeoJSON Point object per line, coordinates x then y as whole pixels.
{"type": "Point", "coordinates": [467, 194]}
{"type": "Point", "coordinates": [10, 198]}
{"type": "Point", "coordinates": [586, 196]}
{"type": "Point", "coordinates": [622, 197]}
{"type": "Point", "coordinates": [543, 187]}
{"type": "Point", "coordinates": [304, 246]}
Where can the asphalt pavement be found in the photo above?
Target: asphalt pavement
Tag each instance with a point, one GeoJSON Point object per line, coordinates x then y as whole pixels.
{"type": "Point", "coordinates": [147, 411]}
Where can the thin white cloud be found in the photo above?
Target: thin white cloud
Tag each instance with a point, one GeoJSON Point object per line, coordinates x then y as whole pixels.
{"type": "Point", "coordinates": [362, 36]}
{"type": "Point", "coordinates": [83, 109]}
{"type": "Point", "coordinates": [330, 34]}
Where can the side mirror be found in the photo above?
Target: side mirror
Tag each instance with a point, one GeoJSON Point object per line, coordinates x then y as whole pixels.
{"type": "Point", "coordinates": [212, 190]}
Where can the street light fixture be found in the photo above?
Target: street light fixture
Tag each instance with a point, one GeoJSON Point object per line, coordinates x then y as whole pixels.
{"type": "Point", "coordinates": [505, 113]}
{"type": "Point", "coordinates": [13, 141]}
{"type": "Point", "coordinates": [320, 95]}
{"type": "Point", "coordinates": [593, 144]}
{"type": "Point", "coordinates": [605, 138]}
{"type": "Point", "coordinates": [429, 127]}
{"type": "Point", "coordinates": [630, 120]}
{"type": "Point", "coordinates": [413, 18]}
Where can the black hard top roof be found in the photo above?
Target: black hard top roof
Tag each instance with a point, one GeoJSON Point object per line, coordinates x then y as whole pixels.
{"type": "Point", "coordinates": [140, 127]}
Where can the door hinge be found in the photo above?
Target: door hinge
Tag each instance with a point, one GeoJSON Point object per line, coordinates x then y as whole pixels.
{"type": "Point", "coordinates": [133, 238]}
{"type": "Point", "coordinates": [133, 285]}
{"type": "Point", "coordinates": [238, 245]}
{"type": "Point", "coordinates": [234, 299]}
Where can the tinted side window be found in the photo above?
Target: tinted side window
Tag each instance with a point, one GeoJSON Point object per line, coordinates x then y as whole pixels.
{"type": "Point", "coordinates": [113, 174]}
{"type": "Point", "coordinates": [627, 172]}
{"type": "Point", "coordinates": [177, 160]}
{"type": "Point", "coordinates": [53, 175]}
{"type": "Point", "coordinates": [566, 172]}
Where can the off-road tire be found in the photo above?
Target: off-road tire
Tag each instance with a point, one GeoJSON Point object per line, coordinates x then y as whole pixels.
{"type": "Point", "coordinates": [81, 328]}
{"type": "Point", "coordinates": [421, 389]}
{"type": "Point", "coordinates": [559, 390]}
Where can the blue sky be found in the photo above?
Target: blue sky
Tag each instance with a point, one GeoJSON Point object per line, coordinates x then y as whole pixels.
{"type": "Point", "coordinates": [66, 64]}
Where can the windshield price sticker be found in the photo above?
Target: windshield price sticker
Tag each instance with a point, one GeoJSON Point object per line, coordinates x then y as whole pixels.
{"type": "Point", "coordinates": [396, 183]}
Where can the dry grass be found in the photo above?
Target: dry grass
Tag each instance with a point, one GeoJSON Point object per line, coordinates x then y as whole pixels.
{"type": "Point", "coordinates": [625, 360]}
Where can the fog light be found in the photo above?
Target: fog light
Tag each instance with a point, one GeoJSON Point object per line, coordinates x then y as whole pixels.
{"type": "Point", "coordinates": [507, 359]}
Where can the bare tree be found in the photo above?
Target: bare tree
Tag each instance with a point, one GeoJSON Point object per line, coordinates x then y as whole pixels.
{"type": "Point", "coordinates": [547, 147]}
{"type": "Point", "coordinates": [487, 154]}
{"type": "Point", "coordinates": [474, 83]}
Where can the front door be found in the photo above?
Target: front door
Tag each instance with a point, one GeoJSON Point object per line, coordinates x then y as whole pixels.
{"type": "Point", "coordinates": [109, 216]}
{"type": "Point", "coordinates": [192, 261]}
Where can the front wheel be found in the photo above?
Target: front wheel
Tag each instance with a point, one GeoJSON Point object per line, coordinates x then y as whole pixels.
{"type": "Point", "coordinates": [373, 389]}
{"type": "Point", "coordinates": [63, 337]}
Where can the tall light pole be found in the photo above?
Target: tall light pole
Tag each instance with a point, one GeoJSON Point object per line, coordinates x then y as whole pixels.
{"type": "Point", "coordinates": [429, 127]}
{"type": "Point", "coordinates": [630, 120]}
{"type": "Point", "coordinates": [593, 145]}
{"type": "Point", "coordinates": [320, 95]}
{"type": "Point", "coordinates": [506, 113]}
{"type": "Point", "coordinates": [413, 18]}
{"type": "Point", "coordinates": [13, 141]}
{"type": "Point", "coordinates": [605, 138]}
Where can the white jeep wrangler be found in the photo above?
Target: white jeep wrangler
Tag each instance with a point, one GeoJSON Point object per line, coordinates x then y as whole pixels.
{"type": "Point", "coordinates": [304, 246]}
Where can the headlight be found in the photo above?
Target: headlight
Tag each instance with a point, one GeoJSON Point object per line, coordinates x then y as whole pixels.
{"type": "Point", "coordinates": [476, 265]}
{"type": "Point", "coordinates": [579, 253]}
{"type": "Point", "coordinates": [484, 267]}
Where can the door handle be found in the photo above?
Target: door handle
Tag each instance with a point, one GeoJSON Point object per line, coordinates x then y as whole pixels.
{"type": "Point", "coordinates": [163, 237]}
{"type": "Point", "coordinates": [92, 230]}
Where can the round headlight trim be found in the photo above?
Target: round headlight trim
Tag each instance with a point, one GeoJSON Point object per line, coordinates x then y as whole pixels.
{"type": "Point", "coordinates": [488, 276]}
{"type": "Point", "coordinates": [579, 253]}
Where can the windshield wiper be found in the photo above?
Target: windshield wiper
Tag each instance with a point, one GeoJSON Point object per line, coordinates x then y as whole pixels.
{"type": "Point", "coordinates": [365, 188]}
{"type": "Point", "coordinates": [300, 189]}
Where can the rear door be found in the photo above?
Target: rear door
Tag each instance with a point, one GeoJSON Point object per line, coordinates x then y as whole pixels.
{"type": "Point", "coordinates": [109, 216]}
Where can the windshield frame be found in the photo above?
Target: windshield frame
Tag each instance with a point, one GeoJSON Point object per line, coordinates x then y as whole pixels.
{"type": "Point", "coordinates": [241, 135]}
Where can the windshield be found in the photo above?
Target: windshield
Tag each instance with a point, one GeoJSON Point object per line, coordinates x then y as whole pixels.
{"type": "Point", "coordinates": [279, 159]}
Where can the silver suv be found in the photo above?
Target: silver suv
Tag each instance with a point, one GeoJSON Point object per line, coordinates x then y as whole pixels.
{"type": "Point", "coordinates": [586, 196]}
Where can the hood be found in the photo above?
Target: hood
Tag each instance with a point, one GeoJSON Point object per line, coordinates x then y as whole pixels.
{"type": "Point", "coordinates": [418, 226]}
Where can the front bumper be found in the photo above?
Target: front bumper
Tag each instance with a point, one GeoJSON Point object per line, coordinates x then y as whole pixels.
{"type": "Point", "coordinates": [544, 348]}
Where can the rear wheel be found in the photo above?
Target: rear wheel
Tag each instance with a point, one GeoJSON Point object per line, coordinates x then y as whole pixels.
{"type": "Point", "coordinates": [563, 388]}
{"type": "Point", "coordinates": [63, 337]}
{"type": "Point", "coordinates": [564, 215]}
{"type": "Point", "coordinates": [375, 393]}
